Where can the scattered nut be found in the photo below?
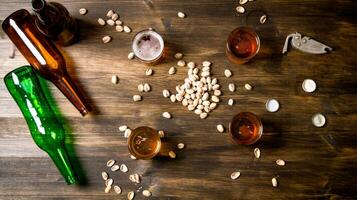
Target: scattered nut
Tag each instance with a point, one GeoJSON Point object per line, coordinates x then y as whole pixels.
{"type": "Point", "coordinates": [227, 73]}
{"type": "Point", "coordinates": [191, 64]}
{"type": "Point", "coordinates": [119, 28]}
{"type": "Point", "coordinates": [106, 39]}
{"type": "Point", "coordinates": [101, 21]}
{"type": "Point", "coordinates": [114, 168]}
{"type": "Point", "coordinates": [83, 11]}
{"type": "Point", "coordinates": [137, 98]}
{"type": "Point", "coordinates": [181, 63]}
{"type": "Point", "coordinates": [109, 182]}
{"type": "Point", "coordinates": [115, 17]}
{"type": "Point", "coordinates": [127, 133]}
{"type": "Point", "coordinates": [146, 193]}
{"type": "Point", "coordinates": [203, 115]}
{"type": "Point", "coordinates": [148, 72]}
{"type": "Point", "coordinates": [206, 63]}
{"type": "Point", "coordinates": [131, 55]}
{"type": "Point", "coordinates": [220, 128]}
{"type": "Point", "coordinates": [132, 157]}
{"type": "Point", "coordinates": [247, 86]}
{"type": "Point", "coordinates": [230, 102]}
{"type": "Point", "coordinates": [263, 19]}
{"type": "Point", "coordinates": [147, 87]}
{"type": "Point", "coordinates": [181, 15]}
{"type": "Point", "coordinates": [135, 178]}
{"type": "Point", "coordinates": [118, 22]}
{"type": "Point", "coordinates": [166, 93]}
{"type": "Point", "coordinates": [105, 176]}
{"type": "Point", "coordinates": [167, 115]}
{"type": "Point", "coordinates": [178, 56]}
{"type": "Point", "coordinates": [127, 29]}
{"type": "Point", "coordinates": [235, 175]}
{"type": "Point", "coordinates": [110, 13]}
{"type": "Point", "coordinates": [107, 189]}
{"type": "Point", "coordinates": [173, 98]}
{"type": "Point", "coordinates": [257, 152]}
{"type": "Point", "coordinates": [115, 79]}
{"type": "Point", "coordinates": [231, 87]}
{"type": "Point", "coordinates": [242, 2]}
{"type": "Point", "coordinates": [131, 195]}
{"type": "Point", "coordinates": [274, 182]}
{"type": "Point", "coordinates": [110, 22]}
{"type": "Point", "coordinates": [161, 133]}
{"type": "Point", "coordinates": [172, 154]}
{"type": "Point", "coordinates": [141, 88]}
{"type": "Point", "coordinates": [180, 145]}
{"type": "Point", "coordinates": [110, 163]}
{"type": "Point", "coordinates": [280, 162]}
{"type": "Point", "coordinates": [240, 9]}
{"type": "Point", "coordinates": [123, 168]}
{"type": "Point", "coordinates": [172, 70]}
{"type": "Point", "coordinates": [117, 189]}
{"type": "Point", "coordinates": [123, 128]}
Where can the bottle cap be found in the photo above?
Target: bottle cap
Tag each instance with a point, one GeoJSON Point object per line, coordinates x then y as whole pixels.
{"type": "Point", "coordinates": [272, 105]}
{"type": "Point", "coordinates": [309, 85]}
{"type": "Point", "coordinates": [318, 120]}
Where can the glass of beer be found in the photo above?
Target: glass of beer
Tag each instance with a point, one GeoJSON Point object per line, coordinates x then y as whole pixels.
{"type": "Point", "coordinates": [148, 46]}
{"type": "Point", "coordinates": [145, 143]}
{"type": "Point", "coordinates": [243, 44]}
{"type": "Point", "coordinates": [246, 128]}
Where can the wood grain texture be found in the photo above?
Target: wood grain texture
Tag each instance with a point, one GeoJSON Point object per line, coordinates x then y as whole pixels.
{"type": "Point", "coordinates": [321, 162]}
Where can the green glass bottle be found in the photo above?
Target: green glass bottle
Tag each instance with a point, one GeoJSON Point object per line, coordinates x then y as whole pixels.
{"type": "Point", "coordinates": [46, 130]}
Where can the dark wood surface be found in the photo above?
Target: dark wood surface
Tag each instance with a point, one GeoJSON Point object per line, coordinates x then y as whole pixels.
{"type": "Point", "coordinates": [320, 162]}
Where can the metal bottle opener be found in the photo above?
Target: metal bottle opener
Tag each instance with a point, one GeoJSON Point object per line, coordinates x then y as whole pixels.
{"type": "Point", "coordinates": [305, 44]}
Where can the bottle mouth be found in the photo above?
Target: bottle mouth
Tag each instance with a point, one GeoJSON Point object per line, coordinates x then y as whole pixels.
{"type": "Point", "coordinates": [38, 5]}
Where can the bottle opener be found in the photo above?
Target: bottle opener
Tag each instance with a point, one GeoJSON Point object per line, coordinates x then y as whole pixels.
{"type": "Point", "coordinates": [305, 44]}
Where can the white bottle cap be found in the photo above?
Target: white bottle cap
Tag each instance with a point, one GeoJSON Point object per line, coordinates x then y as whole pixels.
{"type": "Point", "coordinates": [318, 120]}
{"type": "Point", "coordinates": [272, 105]}
{"type": "Point", "coordinates": [309, 85]}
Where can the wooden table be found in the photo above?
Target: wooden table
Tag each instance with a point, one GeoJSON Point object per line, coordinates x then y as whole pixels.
{"type": "Point", "coordinates": [320, 162]}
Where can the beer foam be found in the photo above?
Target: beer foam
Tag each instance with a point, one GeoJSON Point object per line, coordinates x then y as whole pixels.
{"type": "Point", "coordinates": [148, 45]}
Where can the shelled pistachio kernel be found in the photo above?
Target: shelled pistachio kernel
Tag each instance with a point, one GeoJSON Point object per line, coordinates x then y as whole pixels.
{"type": "Point", "coordinates": [110, 163]}
{"type": "Point", "coordinates": [110, 22]}
{"type": "Point", "coordinates": [137, 98]}
{"type": "Point", "coordinates": [274, 182]}
{"type": "Point", "coordinates": [117, 189]}
{"type": "Point", "coordinates": [180, 145]}
{"type": "Point", "coordinates": [242, 2]}
{"type": "Point", "coordinates": [123, 128]}
{"type": "Point", "coordinates": [178, 55]}
{"type": "Point", "coordinates": [131, 195]}
{"type": "Point", "coordinates": [123, 168]}
{"type": "Point", "coordinates": [247, 86]}
{"type": "Point", "coordinates": [280, 162]}
{"type": "Point", "coordinates": [220, 128]}
{"type": "Point", "coordinates": [148, 72]}
{"type": "Point", "coordinates": [127, 29]}
{"type": "Point", "coordinates": [167, 115]}
{"type": "Point", "coordinates": [106, 39]}
{"type": "Point", "coordinates": [161, 133]}
{"type": "Point", "coordinates": [263, 19]}
{"type": "Point", "coordinates": [240, 9]}
{"type": "Point", "coordinates": [101, 21]}
{"type": "Point", "coordinates": [231, 102]}
{"type": "Point", "coordinates": [146, 193]}
{"type": "Point", "coordinates": [235, 175]}
{"type": "Point", "coordinates": [105, 175]}
{"type": "Point", "coordinates": [115, 16]}
{"type": "Point", "coordinates": [172, 154]}
{"type": "Point", "coordinates": [181, 15]}
{"type": "Point", "coordinates": [181, 63]}
{"type": "Point", "coordinates": [165, 93]}
{"type": "Point", "coordinates": [131, 55]}
{"type": "Point", "coordinates": [172, 70]}
{"type": "Point", "coordinates": [110, 13]}
{"type": "Point", "coordinates": [83, 11]}
{"type": "Point", "coordinates": [119, 28]}
{"type": "Point", "coordinates": [257, 153]}
{"type": "Point", "coordinates": [115, 79]}
{"type": "Point", "coordinates": [227, 73]}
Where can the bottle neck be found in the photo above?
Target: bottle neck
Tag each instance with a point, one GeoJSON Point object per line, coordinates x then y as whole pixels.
{"type": "Point", "coordinates": [61, 159]}
{"type": "Point", "coordinates": [42, 11]}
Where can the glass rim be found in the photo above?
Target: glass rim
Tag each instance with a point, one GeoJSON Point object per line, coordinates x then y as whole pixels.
{"type": "Point", "coordinates": [149, 156]}
{"type": "Point", "coordinates": [162, 43]}
{"type": "Point", "coordinates": [251, 30]}
{"type": "Point", "coordinates": [251, 114]}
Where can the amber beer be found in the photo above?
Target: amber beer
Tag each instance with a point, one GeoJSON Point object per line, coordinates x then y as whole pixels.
{"type": "Point", "coordinates": [148, 46]}
{"type": "Point", "coordinates": [242, 45]}
{"type": "Point", "coordinates": [246, 128]}
{"type": "Point", "coordinates": [145, 143]}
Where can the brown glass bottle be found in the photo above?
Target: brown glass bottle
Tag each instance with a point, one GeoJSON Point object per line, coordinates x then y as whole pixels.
{"type": "Point", "coordinates": [54, 21]}
{"type": "Point", "coordinates": [43, 55]}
